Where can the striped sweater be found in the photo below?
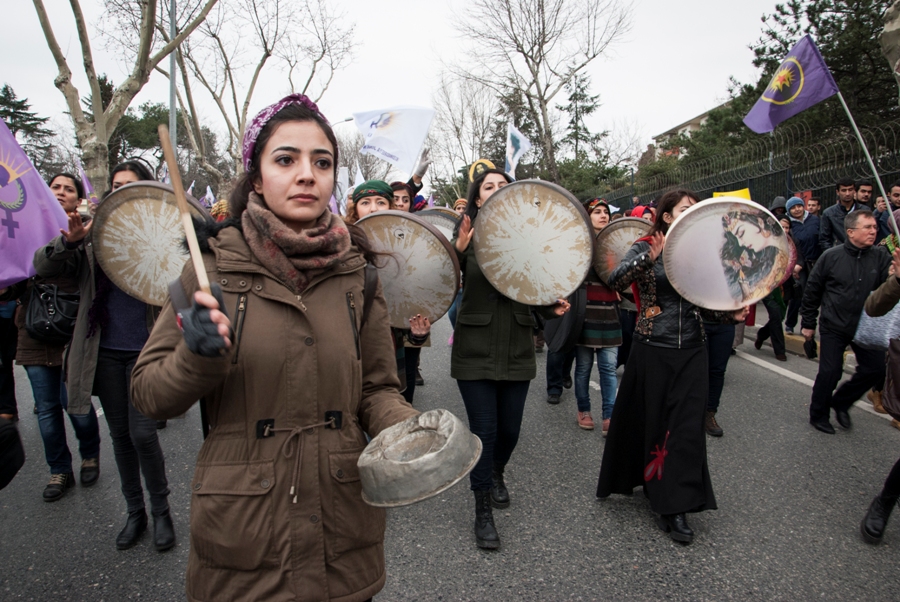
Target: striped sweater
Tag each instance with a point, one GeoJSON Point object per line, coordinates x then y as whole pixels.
{"type": "Point", "coordinates": [601, 317]}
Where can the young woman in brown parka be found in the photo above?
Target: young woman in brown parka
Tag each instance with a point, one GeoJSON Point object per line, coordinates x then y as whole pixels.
{"type": "Point", "coordinates": [276, 511]}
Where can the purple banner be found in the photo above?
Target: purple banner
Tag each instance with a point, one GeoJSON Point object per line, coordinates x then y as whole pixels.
{"type": "Point", "coordinates": [30, 215]}
{"type": "Point", "coordinates": [802, 80]}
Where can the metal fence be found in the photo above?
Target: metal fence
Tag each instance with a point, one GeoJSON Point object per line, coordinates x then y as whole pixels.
{"type": "Point", "coordinates": [780, 164]}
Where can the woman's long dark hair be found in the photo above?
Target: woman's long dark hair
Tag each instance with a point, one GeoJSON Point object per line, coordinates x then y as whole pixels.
{"type": "Point", "coordinates": [474, 191]}
{"type": "Point", "coordinates": [240, 195]}
{"type": "Point", "coordinates": [667, 204]}
{"type": "Point", "coordinates": [79, 187]}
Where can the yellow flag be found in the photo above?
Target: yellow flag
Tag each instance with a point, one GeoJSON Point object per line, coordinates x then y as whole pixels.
{"type": "Point", "coordinates": [743, 193]}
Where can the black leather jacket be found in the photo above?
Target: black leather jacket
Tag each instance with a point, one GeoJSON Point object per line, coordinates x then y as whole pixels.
{"type": "Point", "coordinates": [666, 319]}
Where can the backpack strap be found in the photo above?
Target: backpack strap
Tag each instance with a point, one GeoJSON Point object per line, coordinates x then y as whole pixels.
{"type": "Point", "coordinates": [369, 287]}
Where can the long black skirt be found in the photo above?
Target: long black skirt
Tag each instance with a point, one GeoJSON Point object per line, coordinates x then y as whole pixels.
{"type": "Point", "coordinates": [656, 435]}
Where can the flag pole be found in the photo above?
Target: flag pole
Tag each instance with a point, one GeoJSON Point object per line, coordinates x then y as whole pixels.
{"type": "Point", "coordinates": [862, 143]}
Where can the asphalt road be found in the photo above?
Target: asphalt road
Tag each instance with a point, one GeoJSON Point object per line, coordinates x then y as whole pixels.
{"type": "Point", "coordinates": [790, 502]}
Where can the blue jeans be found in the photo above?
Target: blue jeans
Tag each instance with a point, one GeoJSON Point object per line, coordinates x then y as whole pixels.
{"type": "Point", "coordinates": [51, 400]}
{"type": "Point", "coordinates": [606, 367]}
{"type": "Point", "coordinates": [719, 338]}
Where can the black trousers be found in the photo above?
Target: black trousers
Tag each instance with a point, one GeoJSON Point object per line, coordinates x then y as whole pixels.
{"type": "Point", "coordinates": [719, 338]}
{"type": "Point", "coordinates": [773, 326]}
{"type": "Point", "coordinates": [628, 320]}
{"type": "Point", "coordinates": [892, 483]}
{"type": "Point", "coordinates": [495, 409]}
{"type": "Point", "coordinates": [869, 372]}
{"type": "Point", "coordinates": [9, 337]}
{"type": "Point", "coordinates": [411, 359]}
{"type": "Point", "coordinates": [134, 438]}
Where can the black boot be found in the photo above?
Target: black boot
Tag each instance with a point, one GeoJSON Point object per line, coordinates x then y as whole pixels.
{"type": "Point", "coordinates": [486, 535]}
{"type": "Point", "coordinates": [876, 519]}
{"type": "Point", "coordinates": [134, 527]}
{"type": "Point", "coordinates": [676, 526]}
{"type": "Point", "coordinates": [499, 493]}
{"type": "Point", "coordinates": [163, 531]}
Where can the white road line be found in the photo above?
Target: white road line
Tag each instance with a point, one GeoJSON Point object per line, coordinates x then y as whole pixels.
{"type": "Point", "coordinates": [867, 407]}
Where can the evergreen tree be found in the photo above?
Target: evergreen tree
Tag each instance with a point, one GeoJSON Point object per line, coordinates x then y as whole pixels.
{"type": "Point", "coordinates": [30, 131]}
{"type": "Point", "coordinates": [581, 105]}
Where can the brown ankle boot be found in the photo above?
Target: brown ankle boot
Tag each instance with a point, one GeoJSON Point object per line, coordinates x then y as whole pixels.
{"type": "Point", "coordinates": [875, 397]}
{"type": "Point", "coordinates": [712, 427]}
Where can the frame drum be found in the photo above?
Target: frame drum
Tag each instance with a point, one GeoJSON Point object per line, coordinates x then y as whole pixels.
{"type": "Point", "coordinates": [613, 242]}
{"type": "Point", "coordinates": [533, 242]}
{"type": "Point", "coordinates": [440, 220]}
{"type": "Point", "coordinates": [726, 253]}
{"type": "Point", "coordinates": [421, 275]}
{"type": "Point", "coordinates": [138, 239]}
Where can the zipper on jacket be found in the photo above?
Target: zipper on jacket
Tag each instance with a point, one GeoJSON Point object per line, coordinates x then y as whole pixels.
{"type": "Point", "coordinates": [351, 308]}
{"type": "Point", "coordinates": [300, 301]}
{"type": "Point", "coordinates": [239, 326]}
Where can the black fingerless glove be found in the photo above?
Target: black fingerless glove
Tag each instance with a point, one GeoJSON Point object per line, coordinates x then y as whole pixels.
{"type": "Point", "coordinates": [201, 334]}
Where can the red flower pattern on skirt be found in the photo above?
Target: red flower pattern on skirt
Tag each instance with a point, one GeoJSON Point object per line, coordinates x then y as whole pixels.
{"type": "Point", "coordinates": [656, 464]}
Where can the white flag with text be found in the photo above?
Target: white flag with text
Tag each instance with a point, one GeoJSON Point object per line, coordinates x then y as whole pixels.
{"type": "Point", "coordinates": [395, 135]}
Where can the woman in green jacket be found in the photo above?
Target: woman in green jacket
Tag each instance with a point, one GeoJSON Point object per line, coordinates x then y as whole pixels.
{"type": "Point", "coordinates": [492, 360]}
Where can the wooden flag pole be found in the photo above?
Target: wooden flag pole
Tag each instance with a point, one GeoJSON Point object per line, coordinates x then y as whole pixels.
{"type": "Point", "coordinates": [181, 199]}
{"type": "Point", "coordinates": [862, 143]}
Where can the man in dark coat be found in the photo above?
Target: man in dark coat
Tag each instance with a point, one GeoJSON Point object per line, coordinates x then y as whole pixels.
{"type": "Point", "coordinates": [840, 283]}
{"type": "Point", "coordinates": [831, 232]}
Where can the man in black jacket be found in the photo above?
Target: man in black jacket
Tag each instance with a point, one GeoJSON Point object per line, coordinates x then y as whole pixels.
{"type": "Point", "coordinates": [831, 229]}
{"type": "Point", "coordinates": [840, 283]}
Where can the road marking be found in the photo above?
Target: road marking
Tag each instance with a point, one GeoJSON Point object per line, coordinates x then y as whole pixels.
{"type": "Point", "coordinates": [867, 407]}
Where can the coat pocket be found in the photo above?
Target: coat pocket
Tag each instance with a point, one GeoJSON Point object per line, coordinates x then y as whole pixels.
{"type": "Point", "coordinates": [523, 337]}
{"type": "Point", "coordinates": [473, 335]}
{"type": "Point", "coordinates": [355, 524]}
{"type": "Point", "coordinates": [231, 515]}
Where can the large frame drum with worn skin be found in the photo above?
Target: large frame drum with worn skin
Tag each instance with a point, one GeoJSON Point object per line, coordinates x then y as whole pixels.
{"type": "Point", "coordinates": [533, 242]}
{"type": "Point", "coordinates": [726, 253]}
{"type": "Point", "coordinates": [613, 242]}
{"type": "Point", "coordinates": [138, 239]}
{"type": "Point", "coordinates": [421, 275]}
{"type": "Point", "coordinates": [440, 219]}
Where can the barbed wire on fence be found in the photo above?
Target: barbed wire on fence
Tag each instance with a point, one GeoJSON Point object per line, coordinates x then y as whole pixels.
{"type": "Point", "coordinates": [788, 150]}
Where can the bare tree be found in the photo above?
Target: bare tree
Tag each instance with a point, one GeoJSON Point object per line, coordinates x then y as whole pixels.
{"type": "Point", "coordinates": [236, 43]}
{"type": "Point", "coordinates": [93, 133]}
{"type": "Point", "coordinates": [465, 113]}
{"type": "Point", "coordinates": [536, 47]}
{"type": "Point", "coordinates": [623, 144]}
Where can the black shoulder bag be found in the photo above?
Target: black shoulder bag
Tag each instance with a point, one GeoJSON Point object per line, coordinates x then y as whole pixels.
{"type": "Point", "coordinates": [51, 313]}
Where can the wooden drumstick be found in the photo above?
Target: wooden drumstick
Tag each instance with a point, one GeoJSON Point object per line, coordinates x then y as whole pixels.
{"type": "Point", "coordinates": [181, 199]}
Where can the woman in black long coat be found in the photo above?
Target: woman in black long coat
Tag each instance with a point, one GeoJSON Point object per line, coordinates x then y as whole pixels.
{"type": "Point", "coordinates": [656, 437]}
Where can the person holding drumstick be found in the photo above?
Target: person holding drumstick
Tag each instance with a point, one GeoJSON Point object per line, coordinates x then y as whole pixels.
{"type": "Point", "coordinates": [296, 368]}
{"type": "Point", "coordinates": [656, 437]}
{"type": "Point", "coordinates": [492, 360]}
{"type": "Point", "coordinates": [110, 332]}
{"type": "Point", "coordinates": [371, 197]}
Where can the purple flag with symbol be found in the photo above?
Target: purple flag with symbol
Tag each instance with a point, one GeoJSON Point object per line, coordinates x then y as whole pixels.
{"type": "Point", "coordinates": [30, 215]}
{"type": "Point", "coordinates": [88, 187]}
{"type": "Point", "coordinates": [802, 80]}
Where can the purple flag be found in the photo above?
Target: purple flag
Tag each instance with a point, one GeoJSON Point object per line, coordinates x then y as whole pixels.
{"type": "Point", "coordinates": [802, 80]}
{"type": "Point", "coordinates": [30, 215]}
{"type": "Point", "coordinates": [332, 204]}
{"type": "Point", "coordinates": [431, 201]}
{"type": "Point", "coordinates": [88, 187]}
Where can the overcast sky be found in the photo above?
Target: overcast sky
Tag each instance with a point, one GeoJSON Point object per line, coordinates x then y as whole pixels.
{"type": "Point", "coordinates": [673, 65]}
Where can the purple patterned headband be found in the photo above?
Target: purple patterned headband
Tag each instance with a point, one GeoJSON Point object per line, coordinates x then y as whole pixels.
{"type": "Point", "coordinates": [263, 117]}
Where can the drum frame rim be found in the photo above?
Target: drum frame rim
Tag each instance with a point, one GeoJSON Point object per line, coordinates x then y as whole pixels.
{"type": "Point", "coordinates": [451, 250]}
{"type": "Point", "coordinates": [619, 224]}
{"type": "Point", "coordinates": [105, 207]}
{"type": "Point", "coordinates": [566, 195]}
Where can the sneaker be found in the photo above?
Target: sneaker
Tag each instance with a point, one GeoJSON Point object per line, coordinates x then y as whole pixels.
{"type": "Point", "coordinates": [712, 427]}
{"type": "Point", "coordinates": [58, 485]}
{"type": "Point", "coordinates": [553, 399]}
{"type": "Point", "coordinates": [875, 397]}
{"type": "Point", "coordinates": [895, 423]}
{"type": "Point", "coordinates": [585, 421]}
{"type": "Point", "coordinates": [789, 329]}
{"type": "Point", "coordinates": [567, 382]}
{"type": "Point", "coordinates": [90, 471]}
{"type": "Point", "coordinates": [605, 428]}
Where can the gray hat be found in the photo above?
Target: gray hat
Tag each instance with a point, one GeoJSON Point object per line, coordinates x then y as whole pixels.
{"type": "Point", "coordinates": [778, 203]}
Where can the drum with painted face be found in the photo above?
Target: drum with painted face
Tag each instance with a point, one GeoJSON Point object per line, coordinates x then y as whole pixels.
{"type": "Point", "coordinates": [421, 275]}
{"type": "Point", "coordinates": [726, 253]}
{"type": "Point", "coordinates": [138, 239]}
{"type": "Point", "coordinates": [613, 242]}
{"type": "Point", "coordinates": [533, 242]}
